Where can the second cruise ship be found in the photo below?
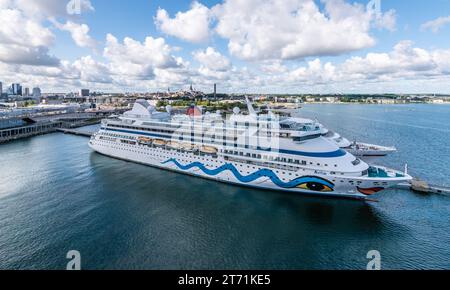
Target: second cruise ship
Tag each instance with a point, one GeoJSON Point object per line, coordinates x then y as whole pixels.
{"type": "Point", "coordinates": [260, 151]}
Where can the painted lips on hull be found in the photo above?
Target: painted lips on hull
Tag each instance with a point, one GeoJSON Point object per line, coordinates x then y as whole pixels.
{"type": "Point", "coordinates": [370, 191]}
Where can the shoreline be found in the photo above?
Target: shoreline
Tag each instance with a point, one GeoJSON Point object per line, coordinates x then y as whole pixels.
{"type": "Point", "coordinates": [373, 104]}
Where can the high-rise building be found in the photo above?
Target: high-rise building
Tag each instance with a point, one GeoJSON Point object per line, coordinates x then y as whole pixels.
{"type": "Point", "coordinates": [84, 93]}
{"type": "Point", "coordinates": [36, 92]}
{"type": "Point", "coordinates": [27, 92]}
{"type": "Point", "coordinates": [16, 89]}
{"type": "Point", "coordinates": [215, 91]}
{"type": "Point", "coordinates": [1, 89]}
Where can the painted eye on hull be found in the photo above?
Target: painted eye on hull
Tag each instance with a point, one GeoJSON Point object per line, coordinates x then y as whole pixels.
{"type": "Point", "coordinates": [315, 186]}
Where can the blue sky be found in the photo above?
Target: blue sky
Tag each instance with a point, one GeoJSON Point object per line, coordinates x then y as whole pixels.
{"type": "Point", "coordinates": [261, 46]}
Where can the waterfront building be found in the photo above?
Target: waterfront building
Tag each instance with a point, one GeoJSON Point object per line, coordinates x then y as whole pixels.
{"type": "Point", "coordinates": [84, 93]}
{"type": "Point", "coordinates": [36, 92]}
{"type": "Point", "coordinates": [16, 89]}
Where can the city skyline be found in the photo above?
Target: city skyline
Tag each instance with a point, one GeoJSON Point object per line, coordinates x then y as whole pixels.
{"type": "Point", "coordinates": [296, 46]}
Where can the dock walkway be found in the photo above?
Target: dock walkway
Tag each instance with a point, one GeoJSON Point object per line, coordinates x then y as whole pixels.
{"type": "Point", "coordinates": [423, 187]}
{"type": "Point", "coordinates": [75, 132]}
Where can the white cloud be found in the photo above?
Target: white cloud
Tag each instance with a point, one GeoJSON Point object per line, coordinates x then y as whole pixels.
{"type": "Point", "coordinates": [24, 37]}
{"type": "Point", "coordinates": [294, 29]}
{"type": "Point", "coordinates": [212, 59]}
{"type": "Point", "coordinates": [403, 60]}
{"type": "Point", "coordinates": [375, 71]}
{"type": "Point", "coordinates": [314, 73]}
{"type": "Point", "coordinates": [133, 58]}
{"type": "Point", "coordinates": [405, 66]}
{"type": "Point", "coordinates": [93, 71]}
{"type": "Point", "coordinates": [49, 8]}
{"type": "Point", "coordinates": [436, 24]}
{"type": "Point", "coordinates": [192, 25]}
{"type": "Point", "coordinates": [24, 40]}
{"type": "Point", "coordinates": [79, 32]}
{"type": "Point", "coordinates": [273, 67]}
{"type": "Point", "coordinates": [16, 54]}
{"type": "Point", "coordinates": [213, 64]}
{"type": "Point", "coordinates": [17, 29]}
{"type": "Point", "coordinates": [253, 30]}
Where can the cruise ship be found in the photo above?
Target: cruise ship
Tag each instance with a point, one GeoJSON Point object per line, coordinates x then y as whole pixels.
{"type": "Point", "coordinates": [260, 151]}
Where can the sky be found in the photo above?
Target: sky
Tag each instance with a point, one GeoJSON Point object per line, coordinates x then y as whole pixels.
{"type": "Point", "coordinates": [245, 46]}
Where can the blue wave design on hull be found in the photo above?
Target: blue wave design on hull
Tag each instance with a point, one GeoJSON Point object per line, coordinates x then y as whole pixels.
{"type": "Point", "coordinates": [252, 177]}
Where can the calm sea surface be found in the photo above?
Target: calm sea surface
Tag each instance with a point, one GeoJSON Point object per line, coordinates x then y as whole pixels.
{"type": "Point", "coordinates": [57, 195]}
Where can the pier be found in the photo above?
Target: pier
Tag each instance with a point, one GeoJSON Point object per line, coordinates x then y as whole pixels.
{"type": "Point", "coordinates": [32, 129]}
{"type": "Point", "coordinates": [28, 125]}
{"type": "Point", "coordinates": [75, 132]}
{"type": "Point", "coordinates": [421, 186]}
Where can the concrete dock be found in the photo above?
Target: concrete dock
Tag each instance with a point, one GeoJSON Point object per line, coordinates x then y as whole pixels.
{"type": "Point", "coordinates": [75, 132]}
{"type": "Point", "coordinates": [421, 186]}
{"type": "Point", "coordinates": [29, 130]}
{"type": "Point", "coordinates": [19, 126]}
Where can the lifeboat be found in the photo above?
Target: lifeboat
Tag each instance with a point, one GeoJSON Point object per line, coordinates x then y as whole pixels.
{"type": "Point", "coordinates": [159, 142]}
{"type": "Point", "coordinates": [173, 145]}
{"type": "Point", "coordinates": [188, 147]}
{"type": "Point", "coordinates": [208, 150]}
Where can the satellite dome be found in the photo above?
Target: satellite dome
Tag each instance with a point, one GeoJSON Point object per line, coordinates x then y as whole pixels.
{"type": "Point", "coordinates": [236, 110]}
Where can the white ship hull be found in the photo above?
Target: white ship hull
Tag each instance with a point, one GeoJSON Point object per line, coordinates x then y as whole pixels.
{"type": "Point", "coordinates": [238, 173]}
